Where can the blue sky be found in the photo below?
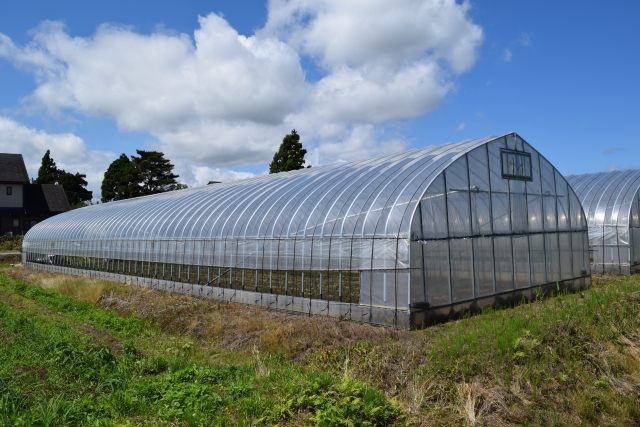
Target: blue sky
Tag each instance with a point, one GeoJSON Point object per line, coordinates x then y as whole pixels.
{"type": "Point", "coordinates": [108, 77]}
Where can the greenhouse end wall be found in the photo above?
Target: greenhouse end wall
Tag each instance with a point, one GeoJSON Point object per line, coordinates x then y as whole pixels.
{"type": "Point", "coordinates": [401, 240]}
{"type": "Point", "coordinates": [501, 223]}
{"type": "Point", "coordinates": [611, 202]}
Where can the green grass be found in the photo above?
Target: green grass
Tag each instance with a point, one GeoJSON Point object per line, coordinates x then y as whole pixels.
{"type": "Point", "coordinates": [55, 370]}
{"type": "Point", "coordinates": [153, 358]}
{"type": "Point", "coordinates": [569, 359]}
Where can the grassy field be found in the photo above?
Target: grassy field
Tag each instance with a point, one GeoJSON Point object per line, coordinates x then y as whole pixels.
{"type": "Point", "coordinates": [77, 351]}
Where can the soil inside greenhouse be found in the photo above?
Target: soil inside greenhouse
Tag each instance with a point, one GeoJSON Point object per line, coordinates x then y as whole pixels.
{"type": "Point", "coordinates": [567, 359]}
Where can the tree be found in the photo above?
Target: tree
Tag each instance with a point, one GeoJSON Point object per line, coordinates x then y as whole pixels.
{"type": "Point", "coordinates": [147, 173]}
{"type": "Point", "coordinates": [121, 180]}
{"type": "Point", "coordinates": [290, 155]}
{"type": "Point", "coordinates": [75, 186]}
{"type": "Point", "coordinates": [156, 172]}
{"type": "Point", "coordinates": [48, 172]}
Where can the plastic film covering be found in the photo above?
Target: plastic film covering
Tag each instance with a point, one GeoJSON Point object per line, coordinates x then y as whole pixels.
{"type": "Point", "coordinates": [368, 240]}
{"type": "Point", "coordinates": [611, 202]}
{"type": "Point", "coordinates": [509, 227]}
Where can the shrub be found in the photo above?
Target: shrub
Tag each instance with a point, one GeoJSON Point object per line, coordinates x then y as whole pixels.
{"type": "Point", "coordinates": [10, 243]}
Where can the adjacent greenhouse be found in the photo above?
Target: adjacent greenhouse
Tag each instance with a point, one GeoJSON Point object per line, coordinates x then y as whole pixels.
{"type": "Point", "coordinates": [403, 239]}
{"type": "Point", "coordinates": [611, 202]}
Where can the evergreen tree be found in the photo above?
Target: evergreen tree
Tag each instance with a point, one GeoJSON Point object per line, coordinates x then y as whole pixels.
{"type": "Point", "coordinates": [121, 180]}
{"type": "Point", "coordinates": [48, 173]}
{"type": "Point", "coordinates": [156, 172]}
{"type": "Point", "coordinates": [147, 173]}
{"type": "Point", "coordinates": [290, 155]}
{"type": "Point", "coordinates": [75, 187]}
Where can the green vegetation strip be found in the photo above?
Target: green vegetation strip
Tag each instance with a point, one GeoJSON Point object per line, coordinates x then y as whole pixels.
{"type": "Point", "coordinates": [13, 243]}
{"type": "Point", "coordinates": [53, 373]}
{"type": "Point", "coordinates": [570, 359]}
{"type": "Point", "coordinates": [565, 359]}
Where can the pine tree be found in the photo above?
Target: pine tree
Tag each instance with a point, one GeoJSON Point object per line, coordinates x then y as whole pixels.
{"type": "Point", "coordinates": [147, 173]}
{"type": "Point", "coordinates": [75, 187]}
{"type": "Point", "coordinates": [48, 173]}
{"type": "Point", "coordinates": [290, 155]}
{"type": "Point", "coordinates": [121, 180]}
{"type": "Point", "coordinates": [156, 172]}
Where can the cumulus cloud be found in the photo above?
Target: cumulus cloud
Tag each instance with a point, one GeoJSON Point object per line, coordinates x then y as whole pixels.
{"type": "Point", "coordinates": [353, 144]}
{"type": "Point", "coordinates": [217, 99]}
{"type": "Point", "coordinates": [461, 126]}
{"type": "Point", "coordinates": [362, 32]}
{"type": "Point", "coordinates": [507, 55]}
{"type": "Point", "coordinates": [162, 81]}
{"type": "Point", "coordinates": [68, 150]}
{"type": "Point", "coordinates": [201, 175]}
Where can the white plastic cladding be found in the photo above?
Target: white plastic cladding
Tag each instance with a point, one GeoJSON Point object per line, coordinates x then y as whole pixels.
{"type": "Point", "coordinates": [611, 202]}
{"type": "Point", "coordinates": [439, 225]}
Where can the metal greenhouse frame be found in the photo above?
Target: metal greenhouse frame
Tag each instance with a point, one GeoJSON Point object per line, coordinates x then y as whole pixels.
{"type": "Point", "coordinates": [611, 201]}
{"type": "Point", "coordinates": [403, 240]}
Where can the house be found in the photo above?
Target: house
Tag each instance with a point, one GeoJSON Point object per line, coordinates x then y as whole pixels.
{"type": "Point", "coordinates": [22, 204]}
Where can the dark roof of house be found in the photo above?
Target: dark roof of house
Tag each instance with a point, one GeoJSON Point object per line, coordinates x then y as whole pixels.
{"type": "Point", "coordinates": [45, 198]}
{"type": "Point", "coordinates": [12, 168]}
{"type": "Point", "coordinates": [56, 198]}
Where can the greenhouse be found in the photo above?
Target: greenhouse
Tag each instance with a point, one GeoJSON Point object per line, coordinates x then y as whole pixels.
{"type": "Point", "coordinates": [403, 240]}
{"type": "Point", "coordinates": [611, 202]}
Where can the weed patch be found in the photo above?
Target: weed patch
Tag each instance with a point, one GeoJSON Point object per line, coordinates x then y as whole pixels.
{"type": "Point", "coordinates": [336, 403]}
{"type": "Point", "coordinates": [13, 243]}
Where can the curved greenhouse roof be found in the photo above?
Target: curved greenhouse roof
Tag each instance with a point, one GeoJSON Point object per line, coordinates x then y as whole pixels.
{"type": "Point", "coordinates": [371, 197]}
{"type": "Point", "coordinates": [383, 240]}
{"type": "Point", "coordinates": [611, 201]}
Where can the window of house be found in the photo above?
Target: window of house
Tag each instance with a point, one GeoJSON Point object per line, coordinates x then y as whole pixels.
{"type": "Point", "coordinates": [9, 191]}
{"type": "Point", "coordinates": [516, 165]}
{"type": "Point", "coordinates": [28, 223]}
{"type": "Point", "coordinates": [16, 223]}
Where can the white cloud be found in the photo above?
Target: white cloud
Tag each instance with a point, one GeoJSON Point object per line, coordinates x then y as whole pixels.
{"type": "Point", "coordinates": [221, 100]}
{"type": "Point", "coordinates": [201, 175]}
{"type": "Point", "coordinates": [68, 150]}
{"type": "Point", "coordinates": [361, 32]}
{"type": "Point", "coordinates": [525, 40]}
{"type": "Point", "coordinates": [461, 126]}
{"type": "Point", "coordinates": [162, 81]}
{"type": "Point", "coordinates": [354, 144]}
{"type": "Point", "coordinates": [354, 95]}
{"type": "Point", "coordinates": [614, 167]}
{"type": "Point", "coordinates": [223, 143]}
